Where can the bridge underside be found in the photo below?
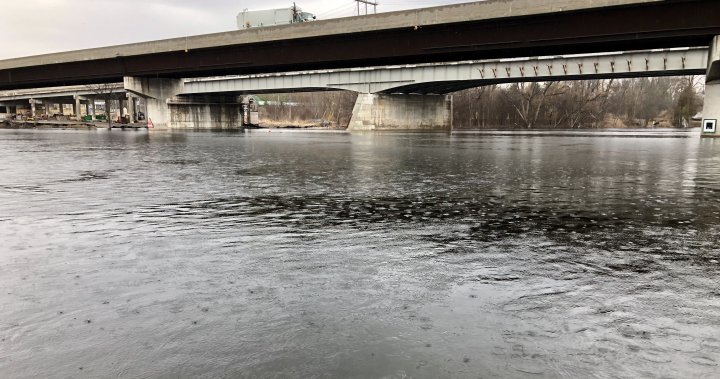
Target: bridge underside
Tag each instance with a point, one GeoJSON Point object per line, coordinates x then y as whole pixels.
{"type": "Point", "coordinates": [446, 78]}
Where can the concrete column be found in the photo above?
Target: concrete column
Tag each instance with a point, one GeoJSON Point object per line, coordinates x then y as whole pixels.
{"type": "Point", "coordinates": [711, 109]}
{"type": "Point", "coordinates": [91, 103]}
{"type": "Point", "coordinates": [32, 107]}
{"type": "Point", "coordinates": [76, 108]}
{"type": "Point", "coordinates": [47, 106]}
{"type": "Point", "coordinates": [89, 108]}
{"type": "Point", "coordinates": [402, 112]}
{"type": "Point", "coordinates": [131, 108]}
{"type": "Point", "coordinates": [157, 93]}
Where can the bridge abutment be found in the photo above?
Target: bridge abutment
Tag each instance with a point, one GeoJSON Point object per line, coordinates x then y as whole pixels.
{"type": "Point", "coordinates": [402, 112]}
{"type": "Point", "coordinates": [711, 109]}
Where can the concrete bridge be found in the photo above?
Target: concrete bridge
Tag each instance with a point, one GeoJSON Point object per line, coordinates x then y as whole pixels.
{"type": "Point", "coordinates": [496, 29]}
{"type": "Point", "coordinates": [478, 30]}
{"type": "Point", "coordinates": [49, 97]}
{"type": "Point", "coordinates": [412, 96]}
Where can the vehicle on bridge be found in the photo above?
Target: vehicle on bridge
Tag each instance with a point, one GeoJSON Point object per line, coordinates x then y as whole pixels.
{"type": "Point", "coordinates": [273, 17]}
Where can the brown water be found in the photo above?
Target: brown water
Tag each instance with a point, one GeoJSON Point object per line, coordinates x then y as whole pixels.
{"type": "Point", "coordinates": [327, 255]}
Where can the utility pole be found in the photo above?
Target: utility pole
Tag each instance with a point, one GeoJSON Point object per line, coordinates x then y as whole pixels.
{"type": "Point", "coordinates": [366, 2]}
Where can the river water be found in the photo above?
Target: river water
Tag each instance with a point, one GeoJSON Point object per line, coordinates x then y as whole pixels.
{"type": "Point", "coordinates": [330, 255]}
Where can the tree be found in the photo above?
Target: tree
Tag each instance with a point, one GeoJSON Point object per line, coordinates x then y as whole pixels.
{"type": "Point", "coordinates": [583, 103]}
{"type": "Point", "coordinates": [687, 101]}
{"type": "Point", "coordinates": [107, 93]}
{"type": "Point", "coordinates": [528, 99]}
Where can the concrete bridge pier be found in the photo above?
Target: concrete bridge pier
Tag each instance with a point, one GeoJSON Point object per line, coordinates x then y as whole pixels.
{"type": "Point", "coordinates": [90, 107]}
{"type": "Point", "coordinates": [711, 109]}
{"type": "Point", "coordinates": [402, 112]}
{"type": "Point", "coordinates": [131, 107]}
{"type": "Point", "coordinates": [76, 108]}
{"type": "Point", "coordinates": [206, 112]}
{"type": "Point", "coordinates": [157, 93]}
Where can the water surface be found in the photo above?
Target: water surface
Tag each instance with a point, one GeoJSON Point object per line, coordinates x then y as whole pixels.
{"type": "Point", "coordinates": [330, 255]}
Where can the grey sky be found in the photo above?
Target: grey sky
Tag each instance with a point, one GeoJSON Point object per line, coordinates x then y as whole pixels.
{"type": "Point", "coordinates": [31, 27]}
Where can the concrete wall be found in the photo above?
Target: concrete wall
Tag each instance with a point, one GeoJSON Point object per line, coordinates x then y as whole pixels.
{"type": "Point", "coordinates": [402, 112]}
{"type": "Point", "coordinates": [711, 109]}
{"type": "Point", "coordinates": [205, 116]}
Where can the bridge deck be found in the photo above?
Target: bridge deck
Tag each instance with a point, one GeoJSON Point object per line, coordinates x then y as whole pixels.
{"type": "Point", "coordinates": [483, 10]}
{"type": "Point", "coordinates": [479, 30]}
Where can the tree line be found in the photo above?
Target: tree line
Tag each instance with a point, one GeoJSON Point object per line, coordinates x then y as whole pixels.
{"type": "Point", "coordinates": [639, 102]}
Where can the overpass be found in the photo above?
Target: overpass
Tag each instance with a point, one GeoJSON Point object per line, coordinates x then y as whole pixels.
{"type": "Point", "coordinates": [71, 95]}
{"type": "Point", "coordinates": [410, 96]}
{"type": "Point", "coordinates": [481, 30]}
{"type": "Point", "coordinates": [478, 30]}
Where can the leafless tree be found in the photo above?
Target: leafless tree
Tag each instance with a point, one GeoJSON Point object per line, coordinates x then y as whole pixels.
{"type": "Point", "coordinates": [583, 103]}
{"type": "Point", "coordinates": [335, 107]}
{"type": "Point", "coordinates": [107, 92]}
{"type": "Point", "coordinates": [528, 99]}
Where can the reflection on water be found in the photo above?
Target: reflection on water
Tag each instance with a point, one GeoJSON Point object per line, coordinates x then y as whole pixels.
{"type": "Point", "coordinates": [129, 254]}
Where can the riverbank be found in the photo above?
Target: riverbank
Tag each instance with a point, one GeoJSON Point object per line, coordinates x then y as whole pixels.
{"type": "Point", "coordinates": [47, 124]}
{"type": "Point", "coordinates": [299, 124]}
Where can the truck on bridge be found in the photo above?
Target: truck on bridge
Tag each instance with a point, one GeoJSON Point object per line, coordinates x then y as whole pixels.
{"type": "Point", "coordinates": [272, 17]}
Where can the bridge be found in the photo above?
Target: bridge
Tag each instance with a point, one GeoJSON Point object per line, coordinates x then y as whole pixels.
{"type": "Point", "coordinates": [487, 33]}
{"type": "Point", "coordinates": [410, 96]}
{"type": "Point", "coordinates": [70, 95]}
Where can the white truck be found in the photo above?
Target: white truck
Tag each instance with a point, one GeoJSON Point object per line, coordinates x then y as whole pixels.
{"type": "Point", "coordinates": [272, 17]}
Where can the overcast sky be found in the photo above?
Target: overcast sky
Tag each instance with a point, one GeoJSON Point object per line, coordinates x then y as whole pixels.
{"type": "Point", "coordinates": [31, 27]}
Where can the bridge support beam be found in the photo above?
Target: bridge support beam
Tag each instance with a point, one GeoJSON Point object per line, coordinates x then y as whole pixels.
{"type": "Point", "coordinates": [157, 93]}
{"type": "Point", "coordinates": [402, 112]}
{"type": "Point", "coordinates": [711, 109]}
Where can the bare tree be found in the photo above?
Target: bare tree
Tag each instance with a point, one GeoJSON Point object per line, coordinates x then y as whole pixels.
{"type": "Point", "coordinates": [107, 93]}
{"type": "Point", "coordinates": [528, 99]}
{"type": "Point", "coordinates": [334, 106]}
{"type": "Point", "coordinates": [687, 102]}
{"type": "Point", "coordinates": [583, 104]}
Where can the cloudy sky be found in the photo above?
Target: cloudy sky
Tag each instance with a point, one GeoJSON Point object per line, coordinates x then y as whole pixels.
{"type": "Point", "coordinates": [31, 27]}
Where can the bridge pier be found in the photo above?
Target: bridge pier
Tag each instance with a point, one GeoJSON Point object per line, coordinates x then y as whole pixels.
{"type": "Point", "coordinates": [76, 108]}
{"type": "Point", "coordinates": [157, 93]}
{"type": "Point", "coordinates": [711, 109]}
{"type": "Point", "coordinates": [206, 112]}
{"type": "Point", "coordinates": [402, 112]}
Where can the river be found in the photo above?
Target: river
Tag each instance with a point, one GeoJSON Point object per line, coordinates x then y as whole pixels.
{"type": "Point", "coordinates": [333, 255]}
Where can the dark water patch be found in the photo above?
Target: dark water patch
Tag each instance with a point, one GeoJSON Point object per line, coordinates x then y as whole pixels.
{"type": "Point", "coordinates": [487, 220]}
{"type": "Point", "coordinates": [259, 170]}
{"type": "Point", "coordinates": [488, 213]}
{"type": "Point", "coordinates": [179, 162]}
{"type": "Point", "coordinates": [23, 189]}
{"type": "Point", "coordinates": [87, 176]}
